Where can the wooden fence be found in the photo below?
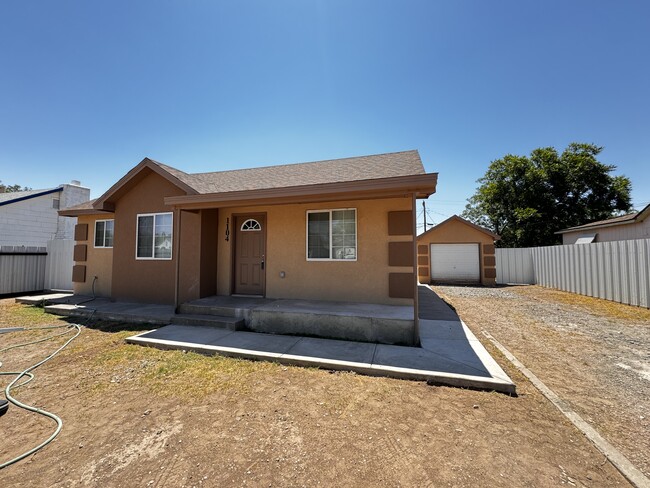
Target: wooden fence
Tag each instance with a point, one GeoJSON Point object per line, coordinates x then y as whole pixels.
{"type": "Point", "coordinates": [616, 270]}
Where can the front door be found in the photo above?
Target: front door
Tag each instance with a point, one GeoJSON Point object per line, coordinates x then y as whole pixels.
{"type": "Point", "coordinates": [250, 247]}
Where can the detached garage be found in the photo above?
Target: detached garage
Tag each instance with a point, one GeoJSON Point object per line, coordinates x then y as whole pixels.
{"type": "Point", "coordinates": [457, 251]}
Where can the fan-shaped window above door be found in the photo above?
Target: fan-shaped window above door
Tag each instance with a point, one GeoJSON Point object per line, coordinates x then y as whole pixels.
{"type": "Point", "coordinates": [251, 225]}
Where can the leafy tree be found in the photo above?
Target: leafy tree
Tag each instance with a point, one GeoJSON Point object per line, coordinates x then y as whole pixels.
{"type": "Point", "coordinates": [12, 188]}
{"type": "Point", "coordinates": [525, 199]}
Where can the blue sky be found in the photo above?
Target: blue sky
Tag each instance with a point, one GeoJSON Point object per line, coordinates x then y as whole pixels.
{"type": "Point", "coordinates": [87, 89]}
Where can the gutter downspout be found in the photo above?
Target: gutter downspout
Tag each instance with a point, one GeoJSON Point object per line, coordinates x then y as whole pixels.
{"type": "Point", "coordinates": [416, 320]}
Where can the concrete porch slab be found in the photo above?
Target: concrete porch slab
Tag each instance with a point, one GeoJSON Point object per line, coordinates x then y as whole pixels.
{"type": "Point", "coordinates": [389, 324]}
{"type": "Point", "coordinates": [51, 298]}
{"type": "Point", "coordinates": [343, 309]}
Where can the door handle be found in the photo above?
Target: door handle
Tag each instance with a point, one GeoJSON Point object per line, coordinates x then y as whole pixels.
{"type": "Point", "coordinates": [262, 264]}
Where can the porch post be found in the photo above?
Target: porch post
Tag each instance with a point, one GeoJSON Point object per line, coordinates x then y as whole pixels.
{"type": "Point", "coordinates": [177, 246]}
{"type": "Point", "coordinates": [416, 319]}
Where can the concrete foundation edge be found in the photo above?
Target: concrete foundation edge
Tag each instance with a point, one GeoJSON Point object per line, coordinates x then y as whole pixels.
{"type": "Point", "coordinates": [351, 328]}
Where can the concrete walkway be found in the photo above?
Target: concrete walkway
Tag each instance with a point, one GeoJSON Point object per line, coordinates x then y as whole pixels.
{"type": "Point", "coordinates": [69, 305]}
{"type": "Point", "coordinates": [450, 354]}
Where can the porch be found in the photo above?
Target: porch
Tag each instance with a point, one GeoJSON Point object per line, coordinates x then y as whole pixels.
{"type": "Point", "coordinates": [362, 322]}
{"type": "Point", "coordinates": [449, 353]}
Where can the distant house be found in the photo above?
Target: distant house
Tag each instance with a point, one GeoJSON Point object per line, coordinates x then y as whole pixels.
{"type": "Point", "coordinates": [457, 251]}
{"type": "Point", "coordinates": [31, 219]}
{"type": "Point", "coordinates": [336, 230]}
{"type": "Point", "coordinates": [635, 225]}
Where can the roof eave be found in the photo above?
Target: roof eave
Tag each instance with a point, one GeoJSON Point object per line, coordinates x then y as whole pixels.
{"type": "Point", "coordinates": [105, 203]}
{"type": "Point", "coordinates": [588, 227]}
{"type": "Point", "coordinates": [422, 185]}
{"type": "Point", "coordinates": [640, 216]}
{"type": "Point", "coordinates": [488, 232]}
{"type": "Point", "coordinates": [81, 211]}
{"type": "Point", "coordinates": [34, 195]}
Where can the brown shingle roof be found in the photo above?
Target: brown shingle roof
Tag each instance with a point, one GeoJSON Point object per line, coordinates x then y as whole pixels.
{"type": "Point", "coordinates": [377, 166]}
{"type": "Point", "coordinates": [84, 208]}
{"type": "Point", "coordinates": [622, 219]}
{"type": "Point", "coordinates": [466, 222]}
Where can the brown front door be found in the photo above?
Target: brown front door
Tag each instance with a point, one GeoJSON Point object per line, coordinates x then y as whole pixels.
{"type": "Point", "coordinates": [250, 247]}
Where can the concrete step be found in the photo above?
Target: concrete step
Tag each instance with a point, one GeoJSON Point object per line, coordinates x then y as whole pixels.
{"type": "Point", "coordinates": [195, 309]}
{"type": "Point", "coordinates": [221, 322]}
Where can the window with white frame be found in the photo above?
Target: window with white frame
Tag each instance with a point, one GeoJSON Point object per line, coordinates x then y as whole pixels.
{"type": "Point", "coordinates": [154, 236]}
{"type": "Point", "coordinates": [332, 235]}
{"type": "Point", "coordinates": [104, 233]}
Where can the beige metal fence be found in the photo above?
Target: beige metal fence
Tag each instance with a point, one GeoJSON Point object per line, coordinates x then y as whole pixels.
{"type": "Point", "coordinates": [58, 266]}
{"type": "Point", "coordinates": [21, 269]}
{"type": "Point", "coordinates": [24, 269]}
{"type": "Point", "coordinates": [515, 265]}
{"type": "Point", "coordinates": [617, 270]}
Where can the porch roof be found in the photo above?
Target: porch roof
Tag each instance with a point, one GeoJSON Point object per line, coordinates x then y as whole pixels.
{"type": "Point", "coordinates": [420, 185]}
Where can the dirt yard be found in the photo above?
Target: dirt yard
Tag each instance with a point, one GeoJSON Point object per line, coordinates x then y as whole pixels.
{"type": "Point", "coordinates": [595, 354]}
{"type": "Point", "coordinates": [135, 416]}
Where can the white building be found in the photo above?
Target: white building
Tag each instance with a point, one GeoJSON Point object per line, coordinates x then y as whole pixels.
{"type": "Point", "coordinates": [631, 226]}
{"type": "Point", "coordinates": [31, 219]}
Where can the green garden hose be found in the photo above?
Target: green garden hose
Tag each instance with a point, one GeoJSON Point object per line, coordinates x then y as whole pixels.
{"type": "Point", "coordinates": [28, 373]}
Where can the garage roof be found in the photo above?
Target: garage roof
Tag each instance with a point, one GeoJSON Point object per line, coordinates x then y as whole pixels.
{"type": "Point", "coordinates": [496, 237]}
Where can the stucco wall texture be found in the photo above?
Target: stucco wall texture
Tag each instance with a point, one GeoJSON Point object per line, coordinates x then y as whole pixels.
{"type": "Point", "coordinates": [149, 281]}
{"type": "Point", "coordinates": [363, 280]}
{"type": "Point", "coordinates": [206, 258]}
{"type": "Point", "coordinates": [99, 261]}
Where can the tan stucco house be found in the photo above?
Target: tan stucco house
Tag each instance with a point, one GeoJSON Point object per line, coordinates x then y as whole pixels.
{"type": "Point", "coordinates": [457, 251]}
{"type": "Point", "coordinates": [635, 225]}
{"type": "Point", "coordinates": [337, 230]}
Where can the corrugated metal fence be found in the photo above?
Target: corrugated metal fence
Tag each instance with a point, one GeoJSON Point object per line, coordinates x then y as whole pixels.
{"type": "Point", "coordinates": [617, 270]}
{"type": "Point", "coordinates": [24, 269]}
{"type": "Point", "coordinates": [21, 269]}
{"type": "Point", "coordinates": [515, 266]}
{"type": "Point", "coordinates": [58, 265]}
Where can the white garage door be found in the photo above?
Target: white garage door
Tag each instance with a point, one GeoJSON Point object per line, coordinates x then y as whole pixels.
{"type": "Point", "coordinates": [455, 262]}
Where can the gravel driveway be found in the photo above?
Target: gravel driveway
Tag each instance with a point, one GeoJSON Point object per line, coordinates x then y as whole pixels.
{"type": "Point", "coordinates": [595, 354]}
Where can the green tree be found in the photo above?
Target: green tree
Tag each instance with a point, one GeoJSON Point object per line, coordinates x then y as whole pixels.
{"type": "Point", "coordinates": [526, 199]}
{"type": "Point", "coordinates": [12, 188]}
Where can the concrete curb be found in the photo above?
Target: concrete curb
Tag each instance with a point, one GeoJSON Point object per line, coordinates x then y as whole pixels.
{"type": "Point", "coordinates": [623, 464]}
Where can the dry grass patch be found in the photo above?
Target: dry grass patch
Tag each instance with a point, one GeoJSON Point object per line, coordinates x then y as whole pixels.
{"type": "Point", "coordinates": [177, 374]}
{"type": "Point", "coordinates": [593, 305]}
{"type": "Point", "coordinates": [17, 315]}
